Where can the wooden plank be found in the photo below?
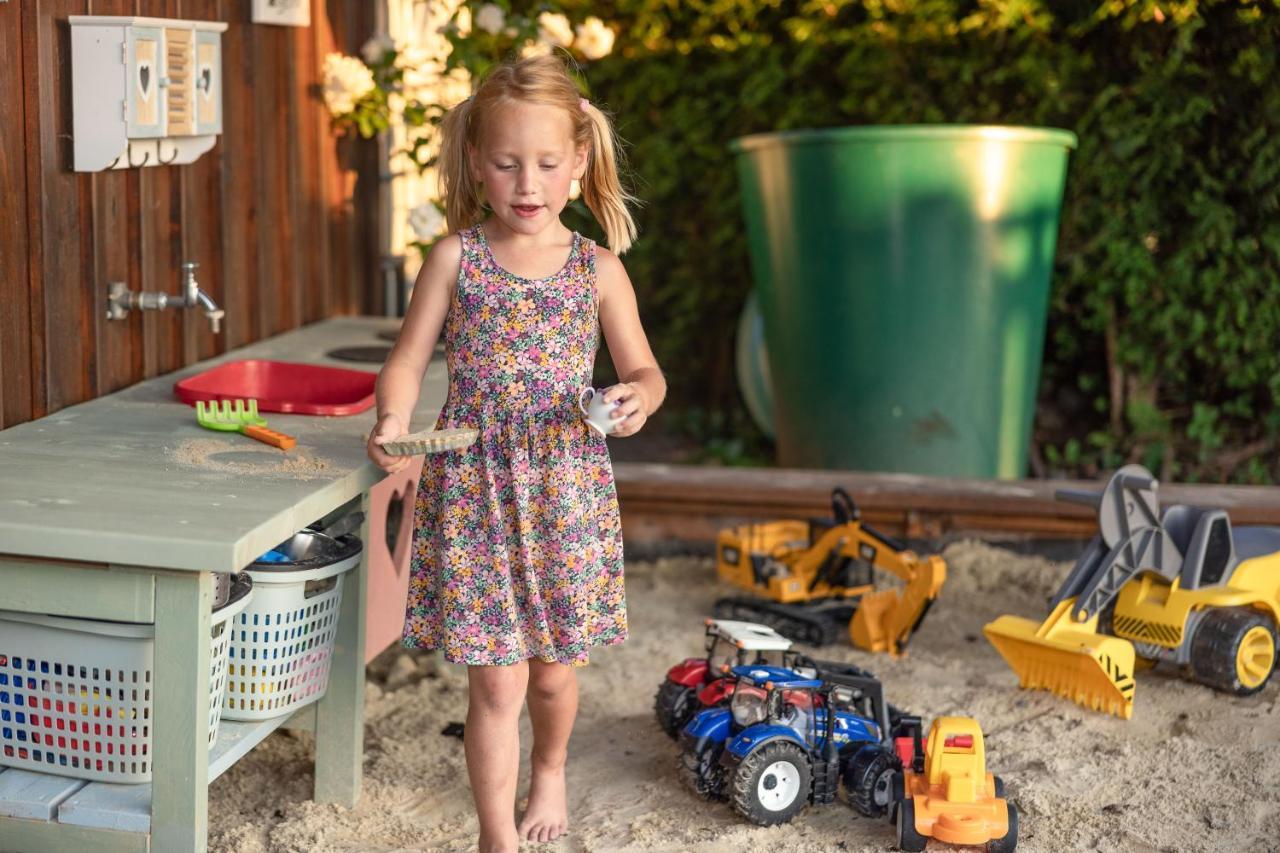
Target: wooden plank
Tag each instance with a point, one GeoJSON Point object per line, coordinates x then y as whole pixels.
{"type": "Point", "coordinates": [239, 174]}
{"type": "Point", "coordinates": [34, 796]}
{"type": "Point", "coordinates": [128, 807]}
{"type": "Point", "coordinates": [180, 744]}
{"type": "Point", "coordinates": [236, 739]}
{"type": "Point", "coordinates": [339, 725]}
{"type": "Point", "coordinates": [692, 502]}
{"type": "Point", "coordinates": [86, 591]}
{"type": "Point", "coordinates": [20, 834]}
{"type": "Point", "coordinates": [200, 190]}
{"type": "Point", "coordinates": [161, 245]}
{"type": "Point", "coordinates": [275, 224]}
{"type": "Point", "coordinates": [310, 135]}
{"type": "Point", "coordinates": [326, 162]}
{"type": "Point", "coordinates": [15, 320]}
{"type": "Point", "coordinates": [116, 256]}
{"type": "Point", "coordinates": [101, 805]}
{"type": "Point", "coordinates": [70, 312]}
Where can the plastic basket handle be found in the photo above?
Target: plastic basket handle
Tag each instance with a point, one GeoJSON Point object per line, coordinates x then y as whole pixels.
{"type": "Point", "coordinates": [270, 436]}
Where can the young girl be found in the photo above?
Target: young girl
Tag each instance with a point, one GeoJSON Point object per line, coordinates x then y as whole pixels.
{"type": "Point", "coordinates": [517, 565]}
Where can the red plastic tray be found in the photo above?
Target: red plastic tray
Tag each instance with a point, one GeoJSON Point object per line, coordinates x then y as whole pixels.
{"type": "Point", "coordinates": [283, 386]}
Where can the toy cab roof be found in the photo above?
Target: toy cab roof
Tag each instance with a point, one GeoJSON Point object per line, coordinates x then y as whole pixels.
{"type": "Point", "coordinates": [749, 635]}
{"type": "Point", "coordinates": [781, 677]}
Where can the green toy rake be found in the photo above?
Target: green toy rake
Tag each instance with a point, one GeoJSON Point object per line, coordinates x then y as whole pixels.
{"type": "Point", "coordinates": [240, 416]}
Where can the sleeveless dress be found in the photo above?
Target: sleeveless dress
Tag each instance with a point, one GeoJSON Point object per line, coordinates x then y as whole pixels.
{"type": "Point", "coordinates": [518, 544]}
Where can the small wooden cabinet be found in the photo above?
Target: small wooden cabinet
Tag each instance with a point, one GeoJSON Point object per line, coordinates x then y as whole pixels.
{"type": "Point", "coordinates": [144, 91]}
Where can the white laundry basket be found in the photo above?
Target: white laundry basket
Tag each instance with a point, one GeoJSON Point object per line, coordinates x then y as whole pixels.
{"type": "Point", "coordinates": [282, 644]}
{"type": "Point", "coordinates": [76, 694]}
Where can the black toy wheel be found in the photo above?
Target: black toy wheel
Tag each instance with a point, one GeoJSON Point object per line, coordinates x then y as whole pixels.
{"type": "Point", "coordinates": [868, 781]}
{"type": "Point", "coordinates": [908, 838]}
{"type": "Point", "coordinates": [998, 784]}
{"type": "Point", "coordinates": [772, 784]}
{"type": "Point", "coordinates": [701, 772]}
{"type": "Point", "coordinates": [1010, 841]}
{"type": "Point", "coordinates": [674, 706]}
{"type": "Point", "coordinates": [1234, 650]}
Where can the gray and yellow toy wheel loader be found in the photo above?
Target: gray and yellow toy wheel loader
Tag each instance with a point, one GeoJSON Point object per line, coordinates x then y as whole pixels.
{"type": "Point", "coordinates": [1182, 588]}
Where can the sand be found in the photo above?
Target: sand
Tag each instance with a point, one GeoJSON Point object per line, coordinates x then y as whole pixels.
{"type": "Point", "coordinates": [1192, 771]}
{"type": "Point", "coordinates": [239, 456]}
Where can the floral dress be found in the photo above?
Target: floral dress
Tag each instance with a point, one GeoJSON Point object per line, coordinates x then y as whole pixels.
{"type": "Point", "coordinates": [518, 545]}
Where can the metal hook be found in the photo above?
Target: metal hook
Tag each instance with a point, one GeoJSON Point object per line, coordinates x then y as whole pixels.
{"type": "Point", "coordinates": [161, 160]}
{"type": "Point", "coordinates": [146, 155]}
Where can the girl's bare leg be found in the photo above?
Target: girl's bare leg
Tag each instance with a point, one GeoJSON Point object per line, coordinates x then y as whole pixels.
{"type": "Point", "coordinates": [491, 741]}
{"type": "Point", "coordinates": [553, 705]}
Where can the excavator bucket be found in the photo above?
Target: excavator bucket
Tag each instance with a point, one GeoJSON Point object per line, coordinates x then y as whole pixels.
{"type": "Point", "coordinates": [1068, 658]}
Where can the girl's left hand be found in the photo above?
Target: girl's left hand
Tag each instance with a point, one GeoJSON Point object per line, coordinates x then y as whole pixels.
{"type": "Point", "coordinates": [630, 399]}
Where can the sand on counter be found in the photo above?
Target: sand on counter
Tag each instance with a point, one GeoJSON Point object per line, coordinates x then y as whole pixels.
{"type": "Point", "coordinates": [1193, 770]}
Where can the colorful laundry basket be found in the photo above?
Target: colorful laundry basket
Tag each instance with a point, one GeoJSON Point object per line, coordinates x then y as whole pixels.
{"type": "Point", "coordinates": [76, 694]}
{"type": "Point", "coordinates": [282, 644]}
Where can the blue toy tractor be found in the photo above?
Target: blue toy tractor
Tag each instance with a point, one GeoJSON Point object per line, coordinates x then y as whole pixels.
{"type": "Point", "coordinates": [784, 741]}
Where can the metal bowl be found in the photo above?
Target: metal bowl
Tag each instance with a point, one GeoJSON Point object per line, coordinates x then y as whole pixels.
{"type": "Point", "coordinates": [309, 549]}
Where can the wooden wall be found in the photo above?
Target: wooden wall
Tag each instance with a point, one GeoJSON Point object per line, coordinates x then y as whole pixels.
{"type": "Point", "coordinates": [280, 215]}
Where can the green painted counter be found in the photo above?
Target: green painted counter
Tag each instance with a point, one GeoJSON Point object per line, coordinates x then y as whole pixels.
{"type": "Point", "coordinates": [119, 479]}
{"type": "Point", "coordinates": [122, 509]}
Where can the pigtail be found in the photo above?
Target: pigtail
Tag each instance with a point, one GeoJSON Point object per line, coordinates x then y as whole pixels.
{"type": "Point", "coordinates": [601, 186]}
{"type": "Point", "coordinates": [458, 187]}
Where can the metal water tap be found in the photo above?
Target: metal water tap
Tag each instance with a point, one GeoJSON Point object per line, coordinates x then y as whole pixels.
{"type": "Point", "coordinates": [120, 298]}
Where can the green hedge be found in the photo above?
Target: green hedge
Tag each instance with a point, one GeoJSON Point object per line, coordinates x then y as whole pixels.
{"type": "Point", "coordinates": [1164, 335]}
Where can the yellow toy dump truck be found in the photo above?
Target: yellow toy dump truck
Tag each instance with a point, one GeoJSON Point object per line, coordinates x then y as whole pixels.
{"type": "Point", "coordinates": [1182, 588]}
{"type": "Point", "coordinates": [816, 579]}
{"type": "Point", "coordinates": [946, 792]}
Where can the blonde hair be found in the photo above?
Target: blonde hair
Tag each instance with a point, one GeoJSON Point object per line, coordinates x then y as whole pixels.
{"type": "Point", "coordinates": [535, 80]}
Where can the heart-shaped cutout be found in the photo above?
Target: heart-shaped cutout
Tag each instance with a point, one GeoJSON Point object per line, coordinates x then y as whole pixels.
{"type": "Point", "coordinates": [144, 78]}
{"type": "Point", "coordinates": [206, 79]}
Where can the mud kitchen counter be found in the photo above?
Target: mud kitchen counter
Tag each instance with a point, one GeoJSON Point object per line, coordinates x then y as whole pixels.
{"type": "Point", "coordinates": [122, 509]}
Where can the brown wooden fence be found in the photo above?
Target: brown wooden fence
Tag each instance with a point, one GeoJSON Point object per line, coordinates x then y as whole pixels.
{"type": "Point", "coordinates": [279, 215]}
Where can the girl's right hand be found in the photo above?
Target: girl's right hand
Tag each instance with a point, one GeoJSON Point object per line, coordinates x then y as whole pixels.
{"type": "Point", "coordinates": [388, 428]}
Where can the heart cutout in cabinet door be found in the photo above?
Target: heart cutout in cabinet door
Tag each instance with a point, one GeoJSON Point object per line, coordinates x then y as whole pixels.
{"type": "Point", "coordinates": [206, 79]}
{"type": "Point", "coordinates": [144, 79]}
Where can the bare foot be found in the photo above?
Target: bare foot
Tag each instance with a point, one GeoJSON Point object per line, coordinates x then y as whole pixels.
{"type": "Point", "coordinates": [547, 817]}
{"type": "Point", "coordinates": [506, 843]}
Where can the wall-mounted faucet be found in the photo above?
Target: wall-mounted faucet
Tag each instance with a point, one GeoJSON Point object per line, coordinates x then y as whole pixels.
{"type": "Point", "coordinates": [120, 298]}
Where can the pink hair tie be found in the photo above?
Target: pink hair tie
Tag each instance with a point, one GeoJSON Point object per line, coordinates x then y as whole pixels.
{"type": "Point", "coordinates": [582, 104]}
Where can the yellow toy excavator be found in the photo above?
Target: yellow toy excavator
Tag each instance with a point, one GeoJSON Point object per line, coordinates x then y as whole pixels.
{"type": "Point", "coordinates": [814, 578]}
{"type": "Point", "coordinates": [1182, 588]}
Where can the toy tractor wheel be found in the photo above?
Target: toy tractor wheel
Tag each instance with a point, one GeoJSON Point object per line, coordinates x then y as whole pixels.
{"type": "Point", "coordinates": [868, 781]}
{"type": "Point", "coordinates": [1010, 841]}
{"type": "Point", "coordinates": [908, 838]}
{"type": "Point", "coordinates": [701, 772]}
{"type": "Point", "coordinates": [1234, 650]}
{"type": "Point", "coordinates": [674, 705]}
{"type": "Point", "coordinates": [998, 784]}
{"type": "Point", "coordinates": [772, 784]}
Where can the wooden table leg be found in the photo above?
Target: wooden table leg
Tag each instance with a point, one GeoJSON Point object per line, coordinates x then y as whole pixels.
{"type": "Point", "coordinates": [180, 713]}
{"type": "Point", "coordinates": [340, 714]}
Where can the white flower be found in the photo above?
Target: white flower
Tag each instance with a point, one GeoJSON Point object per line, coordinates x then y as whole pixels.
{"type": "Point", "coordinates": [535, 48]}
{"type": "Point", "coordinates": [463, 21]}
{"type": "Point", "coordinates": [346, 81]}
{"type": "Point", "coordinates": [491, 19]}
{"type": "Point", "coordinates": [594, 38]}
{"type": "Point", "coordinates": [427, 222]}
{"type": "Point", "coordinates": [555, 29]}
{"type": "Point", "coordinates": [377, 47]}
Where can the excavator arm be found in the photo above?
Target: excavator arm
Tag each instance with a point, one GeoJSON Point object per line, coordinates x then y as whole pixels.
{"type": "Point", "coordinates": [886, 618]}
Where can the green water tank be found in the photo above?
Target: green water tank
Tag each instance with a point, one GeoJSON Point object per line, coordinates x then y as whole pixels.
{"type": "Point", "coordinates": [903, 277]}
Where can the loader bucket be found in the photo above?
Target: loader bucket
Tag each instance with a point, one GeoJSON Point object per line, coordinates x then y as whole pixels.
{"type": "Point", "coordinates": [1068, 658]}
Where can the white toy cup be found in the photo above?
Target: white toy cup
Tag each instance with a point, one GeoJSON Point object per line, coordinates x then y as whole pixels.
{"type": "Point", "coordinates": [596, 412]}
